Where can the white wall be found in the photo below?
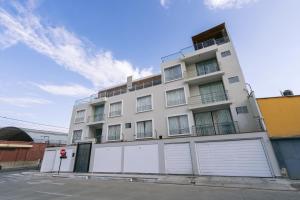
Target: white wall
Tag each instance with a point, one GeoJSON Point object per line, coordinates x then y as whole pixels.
{"type": "Point", "coordinates": [107, 159]}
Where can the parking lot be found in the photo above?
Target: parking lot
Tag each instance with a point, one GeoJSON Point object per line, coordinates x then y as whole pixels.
{"type": "Point", "coordinates": [18, 186]}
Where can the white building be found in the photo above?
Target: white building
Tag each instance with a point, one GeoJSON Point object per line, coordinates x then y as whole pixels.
{"type": "Point", "coordinates": [189, 118]}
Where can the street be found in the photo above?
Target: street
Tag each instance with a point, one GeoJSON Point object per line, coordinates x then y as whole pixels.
{"type": "Point", "coordinates": [17, 186]}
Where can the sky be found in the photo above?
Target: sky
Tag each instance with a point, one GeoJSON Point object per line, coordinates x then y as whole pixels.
{"type": "Point", "coordinates": [53, 52]}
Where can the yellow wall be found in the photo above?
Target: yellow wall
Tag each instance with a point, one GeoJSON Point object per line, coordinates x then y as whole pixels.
{"type": "Point", "coordinates": [281, 115]}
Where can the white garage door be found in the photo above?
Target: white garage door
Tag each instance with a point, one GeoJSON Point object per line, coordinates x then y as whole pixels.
{"type": "Point", "coordinates": [178, 159]}
{"type": "Point", "coordinates": [48, 161]}
{"type": "Point", "coordinates": [141, 159]}
{"type": "Point", "coordinates": [107, 159]}
{"type": "Point", "coordinates": [232, 158]}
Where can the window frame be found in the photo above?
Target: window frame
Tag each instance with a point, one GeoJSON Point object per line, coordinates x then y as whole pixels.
{"type": "Point", "coordinates": [166, 97]}
{"type": "Point", "coordinates": [233, 77]}
{"type": "Point", "coordinates": [84, 116]}
{"type": "Point", "coordinates": [226, 52]}
{"type": "Point", "coordinates": [180, 65]}
{"type": "Point", "coordinates": [141, 96]}
{"type": "Point", "coordinates": [153, 129]}
{"type": "Point", "coordinates": [119, 101]}
{"type": "Point", "coordinates": [72, 139]}
{"type": "Point", "coordinates": [243, 109]}
{"type": "Point", "coordinates": [121, 135]}
{"type": "Point", "coordinates": [176, 115]}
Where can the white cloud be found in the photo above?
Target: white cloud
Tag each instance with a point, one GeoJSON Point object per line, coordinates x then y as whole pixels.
{"type": "Point", "coordinates": [165, 3]}
{"type": "Point", "coordinates": [64, 47]}
{"type": "Point", "coordinates": [23, 101]}
{"type": "Point", "coordinates": [226, 4]}
{"type": "Point", "coordinates": [67, 90]}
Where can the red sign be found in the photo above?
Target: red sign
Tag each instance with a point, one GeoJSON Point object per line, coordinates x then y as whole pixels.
{"type": "Point", "coordinates": [63, 153]}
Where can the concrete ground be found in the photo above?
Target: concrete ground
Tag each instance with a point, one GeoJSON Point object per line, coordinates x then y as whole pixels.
{"type": "Point", "coordinates": [30, 186]}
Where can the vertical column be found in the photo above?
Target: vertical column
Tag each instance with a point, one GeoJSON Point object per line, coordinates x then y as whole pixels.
{"type": "Point", "coordinates": [194, 158]}
{"type": "Point", "coordinates": [161, 157]}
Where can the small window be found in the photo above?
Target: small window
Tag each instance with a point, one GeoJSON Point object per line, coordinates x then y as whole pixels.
{"type": "Point", "coordinates": [178, 125]}
{"type": "Point", "coordinates": [144, 129]}
{"type": "Point", "coordinates": [233, 79]}
{"type": "Point", "coordinates": [76, 136]}
{"type": "Point", "coordinates": [114, 132]}
{"type": "Point", "coordinates": [175, 97]}
{"type": "Point", "coordinates": [173, 73]}
{"type": "Point", "coordinates": [241, 109]}
{"type": "Point", "coordinates": [144, 103]}
{"type": "Point", "coordinates": [128, 125]}
{"type": "Point", "coordinates": [79, 117]}
{"type": "Point", "coordinates": [225, 53]}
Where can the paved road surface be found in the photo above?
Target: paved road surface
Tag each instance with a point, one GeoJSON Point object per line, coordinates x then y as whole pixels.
{"type": "Point", "coordinates": [16, 186]}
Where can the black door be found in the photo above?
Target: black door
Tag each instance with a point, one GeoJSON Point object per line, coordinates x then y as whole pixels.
{"type": "Point", "coordinates": [98, 135]}
{"type": "Point", "coordinates": [82, 160]}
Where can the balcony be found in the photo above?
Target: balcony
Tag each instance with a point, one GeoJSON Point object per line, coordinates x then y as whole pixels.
{"type": "Point", "coordinates": [95, 119]}
{"type": "Point", "coordinates": [191, 77]}
{"type": "Point", "coordinates": [93, 100]}
{"type": "Point", "coordinates": [183, 53]}
{"type": "Point", "coordinates": [223, 128]}
{"type": "Point", "coordinates": [217, 100]}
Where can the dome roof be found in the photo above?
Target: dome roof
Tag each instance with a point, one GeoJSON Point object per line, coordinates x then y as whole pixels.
{"type": "Point", "coordinates": [14, 134]}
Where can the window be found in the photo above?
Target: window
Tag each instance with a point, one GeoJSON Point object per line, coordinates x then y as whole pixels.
{"type": "Point", "coordinates": [241, 109]}
{"type": "Point", "coordinates": [128, 125]}
{"type": "Point", "coordinates": [233, 79]}
{"type": "Point", "coordinates": [114, 132]}
{"type": "Point", "coordinates": [99, 113]}
{"type": "Point", "coordinates": [207, 66]}
{"type": "Point", "coordinates": [212, 92]}
{"type": "Point", "coordinates": [175, 97]}
{"type": "Point", "coordinates": [144, 129]}
{"type": "Point", "coordinates": [76, 136]}
{"type": "Point", "coordinates": [173, 73]}
{"type": "Point", "coordinates": [144, 103]}
{"type": "Point", "coordinates": [115, 109]}
{"type": "Point", "coordinates": [178, 125]}
{"type": "Point", "coordinates": [225, 53]}
{"type": "Point", "coordinates": [79, 116]}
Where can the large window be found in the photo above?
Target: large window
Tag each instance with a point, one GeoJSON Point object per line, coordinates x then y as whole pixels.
{"type": "Point", "coordinates": [99, 113]}
{"type": "Point", "coordinates": [207, 66]}
{"type": "Point", "coordinates": [144, 129]}
{"type": "Point", "coordinates": [115, 109]}
{"type": "Point", "coordinates": [212, 92]}
{"type": "Point", "coordinates": [173, 73]}
{"type": "Point", "coordinates": [79, 117]}
{"type": "Point", "coordinates": [175, 97]}
{"type": "Point", "coordinates": [114, 132]}
{"type": "Point", "coordinates": [178, 125]}
{"type": "Point", "coordinates": [144, 104]}
{"type": "Point", "coordinates": [76, 136]}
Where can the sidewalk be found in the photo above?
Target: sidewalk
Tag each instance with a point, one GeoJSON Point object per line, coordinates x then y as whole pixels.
{"type": "Point", "coordinates": [211, 181]}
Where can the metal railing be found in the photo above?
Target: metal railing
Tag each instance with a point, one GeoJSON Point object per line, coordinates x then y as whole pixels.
{"type": "Point", "coordinates": [89, 99]}
{"type": "Point", "coordinates": [144, 108]}
{"type": "Point", "coordinates": [115, 113]}
{"type": "Point", "coordinates": [208, 98]}
{"type": "Point", "coordinates": [223, 128]}
{"type": "Point", "coordinates": [182, 53]}
{"type": "Point", "coordinates": [145, 85]}
{"type": "Point", "coordinates": [143, 135]}
{"type": "Point", "coordinates": [180, 131]}
{"type": "Point", "coordinates": [96, 118]}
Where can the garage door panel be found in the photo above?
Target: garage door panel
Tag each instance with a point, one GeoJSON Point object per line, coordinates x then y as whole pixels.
{"type": "Point", "coordinates": [107, 159]}
{"type": "Point", "coordinates": [232, 158]}
{"type": "Point", "coordinates": [178, 159]}
{"type": "Point", "coordinates": [141, 159]}
{"type": "Point", "coordinates": [66, 163]}
{"type": "Point", "coordinates": [48, 161]}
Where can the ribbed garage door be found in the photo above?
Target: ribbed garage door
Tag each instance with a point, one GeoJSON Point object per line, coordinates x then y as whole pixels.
{"type": "Point", "coordinates": [232, 158]}
{"type": "Point", "coordinates": [178, 158]}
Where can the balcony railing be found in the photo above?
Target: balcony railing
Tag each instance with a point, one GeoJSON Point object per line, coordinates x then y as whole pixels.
{"type": "Point", "coordinates": [182, 53]}
{"type": "Point", "coordinates": [115, 113]}
{"type": "Point", "coordinates": [144, 135]}
{"type": "Point", "coordinates": [223, 128]}
{"type": "Point", "coordinates": [180, 131]}
{"type": "Point", "coordinates": [79, 119]}
{"type": "Point", "coordinates": [144, 108]}
{"type": "Point", "coordinates": [145, 85]}
{"type": "Point", "coordinates": [96, 118]}
{"type": "Point", "coordinates": [208, 98]}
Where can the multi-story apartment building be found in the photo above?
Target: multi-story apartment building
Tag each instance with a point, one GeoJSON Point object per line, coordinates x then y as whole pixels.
{"type": "Point", "coordinates": [185, 120]}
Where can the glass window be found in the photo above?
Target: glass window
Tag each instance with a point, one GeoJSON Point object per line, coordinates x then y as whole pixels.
{"type": "Point", "coordinates": [115, 109]}
{"type": "Point", "coordinates": [173, 73]}
{"type": "Point", "coordinates": [241, 109]}
{"type": "Point", "coordinates": [175, 97]}
{"type": "Point", "coordinates": [76, 136]}
{"type": "Point", "coordinates": [207, 66]}
{"type": "Point", "coordinates": [212, 92]}
{"type": "Point", "coordinates": [79, 116]}
{"type": "Point", "coordinates": [225, 53]}
{"type": "Point", "coordinates": [144, 129]}
{"type": "Point", "coordinates": [144, 103]}
{"type": "Point", "coordinates": [178, 125]}
{"type": "Point", "coordinates": [99, 113]}
{"type": "Point", "coordinates": [114, 132]}
{"type": "Point", "coordinates": [233, 79]}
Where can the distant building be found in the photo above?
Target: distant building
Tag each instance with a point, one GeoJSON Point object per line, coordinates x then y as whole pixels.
{"type": "Point", "coordinates": [282, 118]}
{"type": "Point", "coordinates": [20, 147]}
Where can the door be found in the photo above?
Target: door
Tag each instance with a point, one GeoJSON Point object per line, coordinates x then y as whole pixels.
{"type": "Point", "coordinates": [232, 158]}
{"type": "Point", "coordinates": [82, 160]}
{"type": "Point", "coordinates": [98, 135]}
{"type": "Point", "coordinates": [178, 158]}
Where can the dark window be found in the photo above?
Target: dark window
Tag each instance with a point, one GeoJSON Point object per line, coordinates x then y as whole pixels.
{"type": "Point", "coordinates": [225, 53]}
{"type": "Point", "coordinates": [233, 79]}
{"type": "Point", "coordinates": [128, 125]}
{"type": "Point", "coordinates": [241, 109]}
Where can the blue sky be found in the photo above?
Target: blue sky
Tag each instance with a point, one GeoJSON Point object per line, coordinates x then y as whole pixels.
{"type": "Point", "coordinates": [54, 52]}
